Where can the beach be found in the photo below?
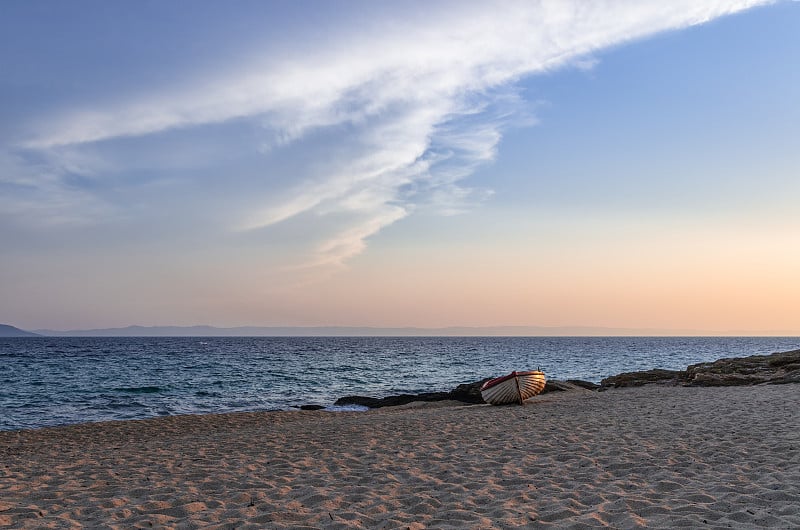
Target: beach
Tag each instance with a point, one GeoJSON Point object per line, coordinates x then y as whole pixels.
{"type": "Point", "coordinates": [653, 456]}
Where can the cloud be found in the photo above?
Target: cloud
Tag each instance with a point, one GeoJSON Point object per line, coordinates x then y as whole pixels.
{"type": "Point", "coordinates": [33, 192]}
{"type": "Point", "coordinates": [391, 115]}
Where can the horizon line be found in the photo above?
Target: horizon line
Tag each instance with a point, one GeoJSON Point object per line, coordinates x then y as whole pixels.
{"type": "Point", "coordinates": [455, 330]}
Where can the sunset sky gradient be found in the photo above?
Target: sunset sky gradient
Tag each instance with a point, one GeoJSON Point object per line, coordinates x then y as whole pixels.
{"type": "Point", "coordinates": [607, 163]}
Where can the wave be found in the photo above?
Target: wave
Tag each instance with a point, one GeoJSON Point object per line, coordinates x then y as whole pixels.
{"type": "Point", "coordinates": [139, 389]}
{"type": "Point", "coordinates": [204, 393]}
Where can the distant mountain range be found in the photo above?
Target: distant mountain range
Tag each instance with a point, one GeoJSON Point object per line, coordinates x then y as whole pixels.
{"type": "Point", "coordinates": [11, 331]}
{"type": "Point", "coordinates": [343, 331]}
{"type": "Point", "coordinates": [331, 331]}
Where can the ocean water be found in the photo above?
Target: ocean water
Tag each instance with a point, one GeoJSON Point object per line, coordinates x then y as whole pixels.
{"type": "Point", "coordinates": [57, 381]}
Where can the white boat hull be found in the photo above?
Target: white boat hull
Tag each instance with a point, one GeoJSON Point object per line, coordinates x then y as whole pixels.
{"type": "Point", "coordinates": [515, 387]}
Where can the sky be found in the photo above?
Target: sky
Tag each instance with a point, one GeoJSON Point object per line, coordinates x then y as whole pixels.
{"type": "Point", "coordinates": [557, 163]}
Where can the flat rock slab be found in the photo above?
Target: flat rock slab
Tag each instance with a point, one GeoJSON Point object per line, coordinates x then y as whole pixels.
{"type": "Point", "coordinates": [777, 368]}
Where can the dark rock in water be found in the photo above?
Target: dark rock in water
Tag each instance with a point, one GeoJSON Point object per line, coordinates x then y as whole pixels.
{"type": "Point", "coordinates": [465, 393]}
{"type": "Point", "coordinates": [778, 368]}
{"type": "Point", "coordinates": [311, 407]}
{"type": "Point", "coordinates": [391, 401]}
{"type": "Point", "coordinates": [361, 401]}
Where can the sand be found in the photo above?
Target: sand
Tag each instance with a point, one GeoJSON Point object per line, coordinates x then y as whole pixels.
{"type": "Point", "coordinates": [650, 457]}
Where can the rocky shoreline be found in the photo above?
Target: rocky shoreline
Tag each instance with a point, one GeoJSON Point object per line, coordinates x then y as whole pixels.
{"type": "Point", "coordinates": [774, 369]}
{"type": "Point", "coordinates": [777, 368]}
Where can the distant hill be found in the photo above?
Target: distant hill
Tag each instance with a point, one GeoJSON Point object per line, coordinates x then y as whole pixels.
{"type": "Point", "coordinates": [11, 331]}
{"type": "Point", "coordinates": [322, 331]}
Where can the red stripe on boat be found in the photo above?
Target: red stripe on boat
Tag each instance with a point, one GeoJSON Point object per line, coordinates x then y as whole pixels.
{"type": "Point", "coordinates": [497, 380]}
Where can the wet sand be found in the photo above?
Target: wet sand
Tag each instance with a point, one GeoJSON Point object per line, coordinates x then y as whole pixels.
{"type": "Point", "coordinates": [652, 456]}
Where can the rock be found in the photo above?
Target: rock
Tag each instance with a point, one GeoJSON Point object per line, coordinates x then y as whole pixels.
{"type": "Point", "coordinates": [777, 368]}
{"type": "Point", "coordinates": [554, 385]}
{"type": "Point", "coordinates": [392, 401]}
{"type": "Point", "coordinates": [588, 385]}
{"type": "Point", "coordinates": [657, 375]}
{"type": "Point", "coordinates": [311, 407]}
{"type": "Point", "coordinates": [783, 367]}
{"type": "Point", "coordinates": [793, 377]}
{"type": "Point", "coordinates": [711, 379]}
{"type": "Point", "coordinates": [362, 401]}
{"type": "Point", "coordinates": [468, 392]}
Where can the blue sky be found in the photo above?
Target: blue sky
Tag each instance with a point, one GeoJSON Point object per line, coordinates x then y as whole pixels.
{"type": "Point", "coordinates": [629, 164]}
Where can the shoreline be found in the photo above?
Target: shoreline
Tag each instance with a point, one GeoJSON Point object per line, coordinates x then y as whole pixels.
{"type": "Point", "coordinates": [138, 379]}
{"type": "Point", "coordinates": [775, 368]}
{"type": "Point", "coordinates": [654, 455]}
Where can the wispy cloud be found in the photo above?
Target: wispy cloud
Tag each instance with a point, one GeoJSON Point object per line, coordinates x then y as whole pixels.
{"type": "Point", "coordinates": [406, 108]}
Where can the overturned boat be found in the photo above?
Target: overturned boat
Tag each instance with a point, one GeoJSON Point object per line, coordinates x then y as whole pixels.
{"type": "Point", "coordinates": [515, 387]}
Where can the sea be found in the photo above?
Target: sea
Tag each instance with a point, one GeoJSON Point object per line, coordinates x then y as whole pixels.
{"type": "Point", "coordinates": [46, 381]}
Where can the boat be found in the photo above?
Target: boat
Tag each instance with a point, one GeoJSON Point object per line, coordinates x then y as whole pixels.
{"type": "Point", "coordinates": [515, 387]}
